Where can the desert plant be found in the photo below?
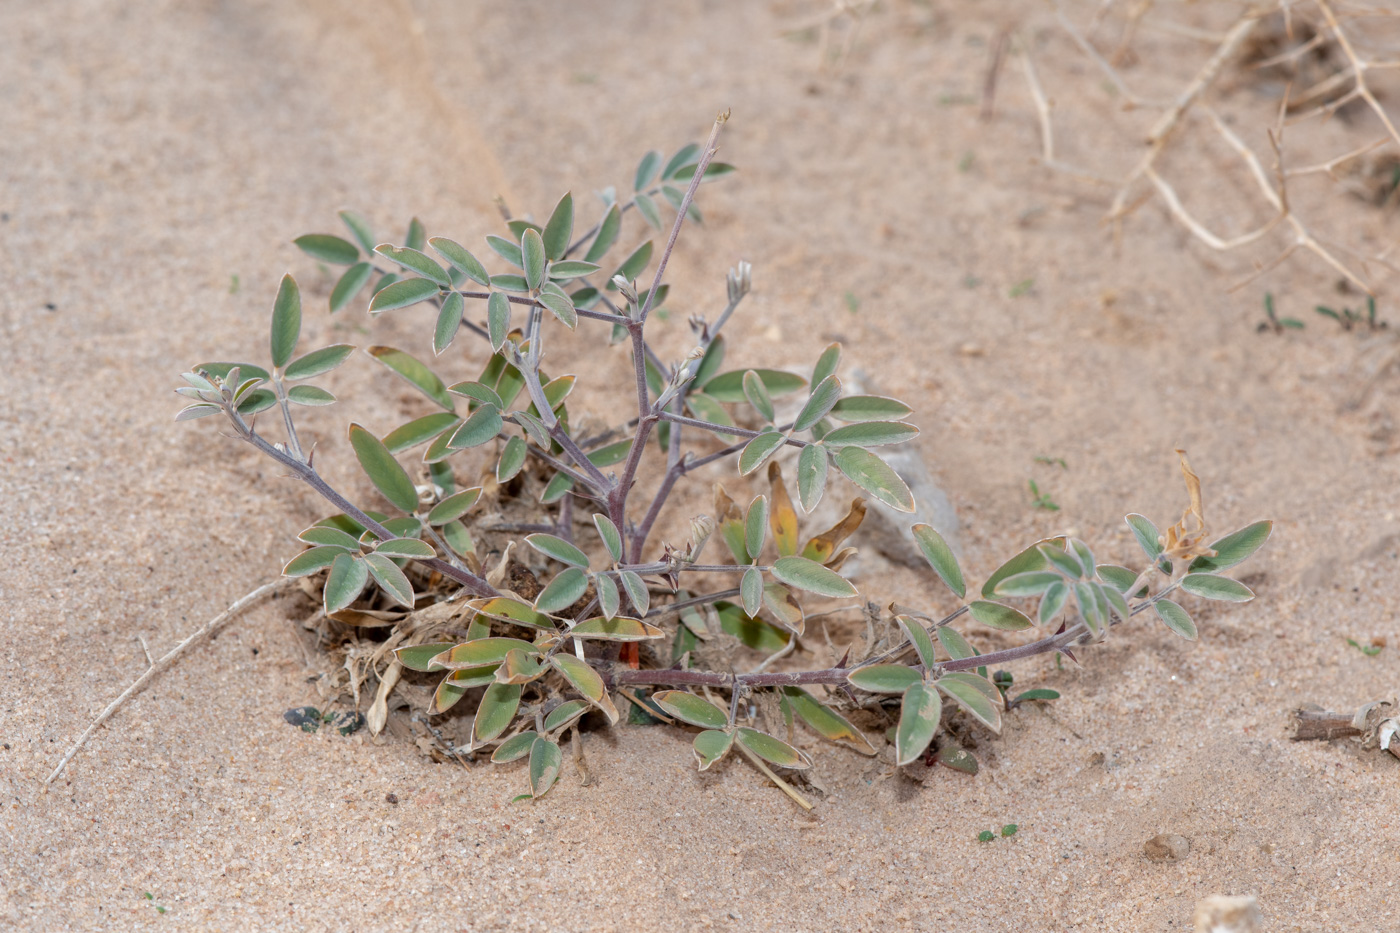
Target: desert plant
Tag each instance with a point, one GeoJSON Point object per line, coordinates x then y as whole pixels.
{"type": "Point", "coordinates": [536, 655]}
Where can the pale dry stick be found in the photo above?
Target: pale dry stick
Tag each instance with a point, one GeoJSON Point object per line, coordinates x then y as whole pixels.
{"type": "Point", "coordinates": [1330, 166]}
{"type": "Point", "coordinates": [1359, 66]}
{"type": "Point", "coordinates": [205, 630]}
{"type": "Point", "coordinates": [1163, 129]}
{"type": "Point", "coordinates": [1088, 49]}
{"type": "Point", "coordinates": [782, 785]}
{"type": "Point", "coordinates": [1279, 197]}
{"type": "Point", "coordinates": [1047, 127]}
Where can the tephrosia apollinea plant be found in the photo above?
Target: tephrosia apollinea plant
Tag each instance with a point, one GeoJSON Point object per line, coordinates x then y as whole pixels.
{"type": "Point", "coordinates": [535, 656]}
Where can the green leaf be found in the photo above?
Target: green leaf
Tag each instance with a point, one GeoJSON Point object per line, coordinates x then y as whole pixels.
{"type": "Point", "coordinates": [918, 636]}
{"type": "Point", "coordinates": [559, 229]}
{"type": "Point", "coordinates": [958, 759]}
{"type": "Point", "coordinates": [608, 532]}
{"type": "Point", "coordinates": [875, 476]}
{"type": "Point", "coordinates": [390, 579]}
{"type": "Point", "coordinates": [940, 557]}
{"type": "Point", "coordinates": [318, 361]}
{"type": "Point", "coordinates": [360, 228]}
{"type": "Point", "coordinates": [713, 170]}
{"type": "Point", "coordinates": [565, 269]}
{"type": "Point", "coordinates": [753, 632]}
{"type": "Point", "coordinates": [812, 466]}
{"type": "Point", "coordinates": [632, 266]}
{"type": "Point", "coordinates": [401, 294]}
{"type": "Point", "coordinates": [859, 408]}
{"type": "Point", "coordinates": [497, 319]}
{"type": "Point", "coordinates": [774, 751]}
{"type": "Point", "coordinates": [328, 248]}
{"type": "Point", "coordinates": [417, 237]}
{"type": "Point", "coordinates": [919, 715]}
{"type": "Point", "coordinates": [532, 253]}
{"type": "Point", "coordinates": [998, 616]}
{"type": "Point", "coordinates": [954, 643]}
{"type": "Point", "coordinates": [1214, 586]}
{"type": "Point", "coordinates": [417, 657]}
{"type": "Point", "coordinates": [1088, 606]}
{"type": "Point", "coordinates": [751, 590]}
{"type": "Point", "coordinates": [825, 721]}
{"type": "Point", "coordinates": [519, 667]}
{"type": "Point", "coordinates": [419, 430]}
{"type": "Point", "coordinates": [383, 470]}
{"type": "Point", "coordinates": [757, 451]}
{"type": "Point", "coordinates": [686, 155]}
{"type": "Point", "coordinates": [607, 234]}
{"type": "Point", "coordinates": [705, 408]}
{"type": "Point", "coordinates": [823, 398]}
{"type": "Point", "coordinates": [1031, 583]}
{"type": "Point", "coordinates": [383, 282]}
{"type": "Point", "coordinates": [564, 713]}
{"type": "Point", "coordinates": [1115, 600]}
{"type": "Point", "coordinates": [514, 748]}
{"type": "Point", "coordinates": [710, 746]}
{"type": "Point", "coordinates": [1120, 578]}
{"type": "Point", "coordinates": [1234, 548]}
{"type": "Point", "coordinates": [871, 434]}
{"type": "Point", "coordinates": [646, 206]}
{"type": "Point", "coordinates": [458, 538]}
{"type": "Point", "coordinates": [826, 367]}
{"type": "Point", "coordinates": [418, 261]}
{"type": "Point", "coordinates": [560, 304]}
{"type": "Point", "coordinates": [587, 682]}
{"type": "Point", "coordinates": [637, 591]}
{"type": "Point", "coordinates": [756, 526]}
{"type": "Point", "coordinates": [689, 708]}
{"type": "Point", "coordinates": [416, 548]}
{"type": "Point", "coordinates": [1175, 618]}
{"type": "Point", "coordinates": [646, 170]}
{"type": "Point", "coordinates": [1052, 602]}
{"type": "Point", "coordinates": [449, 319]}
{"type": "Point", "coordinates": [884, 678]}
{"type": "Point", "coordinates": [512, 611]}
{"type": "Point", "coordinates": [757, 395]}
{"type": "Point", "coordinates": [286, 321]}
{"type": "Point", "coordinates": [512, 459]}
{"type": "Point", "coordinates": [811, 576]}
{"type": "Point", "coordinates": [617, 628]}
{"type": "Point", "coordinates": [349, 285]}
{"type": "Point", "coordinates": [461, 258]}
{"type": "Point", "coordinates": [346, 581]}
{"type": "Point", "coordinates": [499, 704]}
{"type": "Point", "coordinates": [1146, 534]}
{"type": "Point", "coordinates": [559, 549]}
{"type": "Point", "coordinates": [510, 283]}
{"type": "Point", "coordinates": [975, 695]}
{"type": "Point", "coordinates": [310, 395]}
{"type": "Point", "coordinates": [480, 652]}
{"type": "Point", "coordinates": [454, 506]}
{"type": "Point", "coordinates": [729, 387]}
{"type": "Point", "coordinates": [563, 591]}
{"type": "Point", "coordinates": [1029, 559]}
{"type": "Point", "coordinates": [477, 392]}
{"type": "Point", "coordinates": [256, 401]}
{"type": "Point", "coordinates": [481, 426]}
{"type": "Point", "coordinates": [1066, 562]}
{"type": "Point", "coordinates": [1039, 693]}
{"type": "Point", "coordinates": [506, 249]}
{"type": "Point", "coordinates": [545, 761]}
{"type": "Point", "coordinates": [312, 560]}
{"type": "Point", "coordinates": [419, 376]}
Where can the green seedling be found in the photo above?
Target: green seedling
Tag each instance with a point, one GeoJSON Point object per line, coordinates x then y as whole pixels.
{"type": "Point", "coordinates": [1041, 500]}
{"type": "Point", "coordinates": [1273, 322]}
{"type": "Point", "coordinates": [1369, 650]}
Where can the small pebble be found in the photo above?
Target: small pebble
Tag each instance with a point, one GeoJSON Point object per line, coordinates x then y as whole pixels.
{"type": "Point", "coordinates": [1223, 913]}
{"type": "Point", "coordinates": [1167, 848]}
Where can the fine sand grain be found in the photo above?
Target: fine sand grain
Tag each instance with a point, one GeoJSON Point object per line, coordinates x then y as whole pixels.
{"type": "Point", "coordinates": [158, 157]}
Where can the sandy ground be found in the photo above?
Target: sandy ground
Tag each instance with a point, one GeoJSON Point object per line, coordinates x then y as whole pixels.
{"type": "Point", "coordinates": [158, 158]}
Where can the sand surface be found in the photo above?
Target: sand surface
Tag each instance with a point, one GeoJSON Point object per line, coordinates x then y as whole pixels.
{"type": "Point", "coordinates": [157, 159]}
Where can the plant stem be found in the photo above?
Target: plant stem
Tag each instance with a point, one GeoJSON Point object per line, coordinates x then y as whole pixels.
{"type": "Point", "coordinates": [470, 581]}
